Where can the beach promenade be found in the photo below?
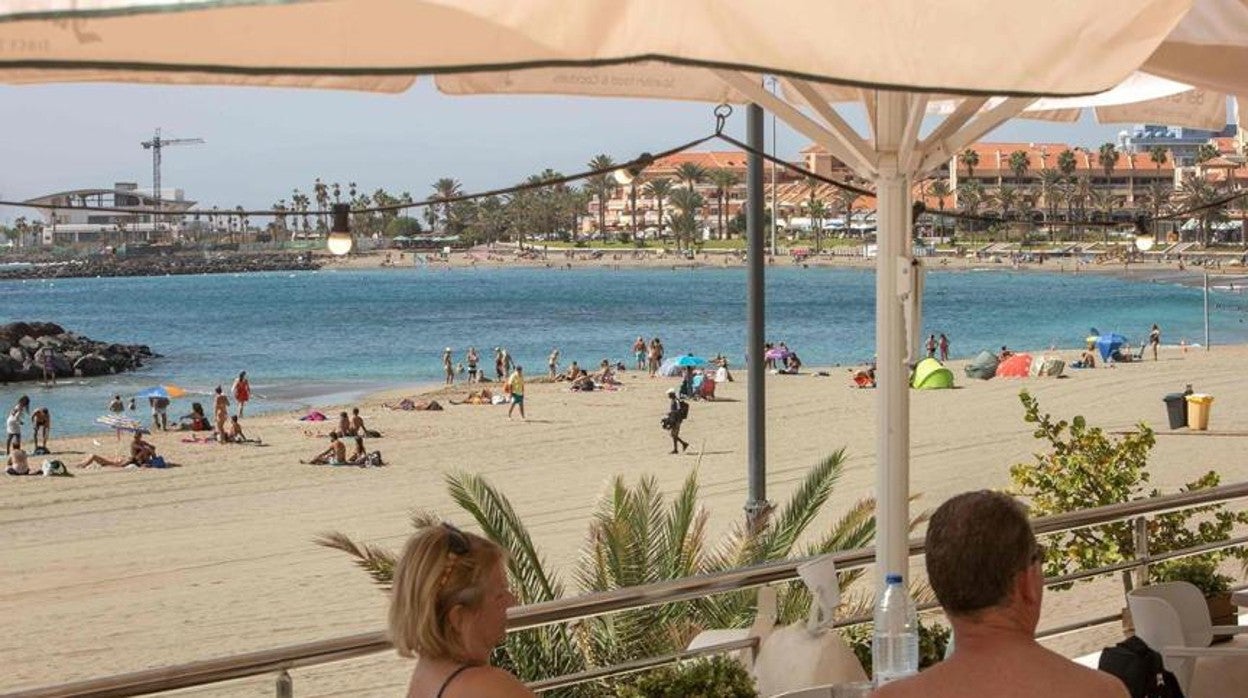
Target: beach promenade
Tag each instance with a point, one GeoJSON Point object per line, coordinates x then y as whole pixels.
{"type": "Point", "coordinates": [115, 571]}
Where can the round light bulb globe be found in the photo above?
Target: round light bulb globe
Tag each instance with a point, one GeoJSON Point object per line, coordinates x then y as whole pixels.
{"type": "Point", "coordinates": [1144, 243]}
{"type": "Point", "coordinates": [622, 177]}
{"type": "Point", "coordinates": [340, 243]}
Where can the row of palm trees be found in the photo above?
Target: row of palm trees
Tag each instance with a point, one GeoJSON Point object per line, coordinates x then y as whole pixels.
{"type": "Point", "coordinates": [557, 209]}
{"type": "Point", "coordinates": [1061, 199]}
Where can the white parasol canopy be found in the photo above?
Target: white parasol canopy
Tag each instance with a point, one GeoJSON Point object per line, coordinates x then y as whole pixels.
{"type": "Point", "coordinates": [977, 63]}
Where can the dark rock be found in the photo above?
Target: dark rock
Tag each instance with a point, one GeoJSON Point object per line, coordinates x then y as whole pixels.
{"type": "Point", "coordinates": [71, 354]}
{"type": "Point", "coordinates": [92, 365]}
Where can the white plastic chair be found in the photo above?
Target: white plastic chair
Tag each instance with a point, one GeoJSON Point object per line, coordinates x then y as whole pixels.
{"type": "Point", "coordinates": [1173, 619]}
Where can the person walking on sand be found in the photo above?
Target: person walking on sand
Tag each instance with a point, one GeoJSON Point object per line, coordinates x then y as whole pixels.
{"type": "Point", "coordinates": [944, 347]}
{"type": "Point", "coordinates": [516, 386]}
{"type": "Point", "coordinates": [931, 346]}
{"type": "Point", "coordinates": [241, 390]}
{"type": "Point", "coordinates": [220, 411]}
{"type": "Point", "coordinates": [677, 413]}
{"type": "Point", "coordinates": [448, 366]}
{"type": "Point", "coordinates": [552, 363]}
{"type": "Point", "coordinates": [639, 352]}
{"type": "Point", "coordinates": [1154, 339]}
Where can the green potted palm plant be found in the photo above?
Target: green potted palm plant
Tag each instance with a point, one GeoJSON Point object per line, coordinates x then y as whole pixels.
{"type": "Point", "coordinates": [1201, 571]}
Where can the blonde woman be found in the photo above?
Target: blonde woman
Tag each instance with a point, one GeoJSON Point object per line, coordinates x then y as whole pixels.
{"type": "Point", "coordinates": [449, 609]}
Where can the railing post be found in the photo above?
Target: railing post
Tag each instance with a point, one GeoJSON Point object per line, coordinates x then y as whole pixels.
{"type": "Point", "coordinates": [285, 685]}
{"type": "Point", "coordinates": [1141, 551]}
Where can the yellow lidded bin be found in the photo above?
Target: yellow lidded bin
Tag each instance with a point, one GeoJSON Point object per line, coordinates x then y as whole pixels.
{"type": "Point", "coordinates": [1198, 408]}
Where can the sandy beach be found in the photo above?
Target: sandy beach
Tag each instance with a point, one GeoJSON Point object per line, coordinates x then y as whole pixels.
{"type": "Point", "coordinates": [114, 571]}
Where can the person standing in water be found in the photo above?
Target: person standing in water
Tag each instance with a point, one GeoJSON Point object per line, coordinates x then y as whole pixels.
{"type": "Point", "coordinates": [552, 363]}
{"type": "Point", "coordinates": [241, 391]}
{"type": "Point", "coordinates": [448, 366]}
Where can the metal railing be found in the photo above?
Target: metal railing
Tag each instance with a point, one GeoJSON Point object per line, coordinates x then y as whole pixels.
{"type": "Point", "coordinates": [283, 659]}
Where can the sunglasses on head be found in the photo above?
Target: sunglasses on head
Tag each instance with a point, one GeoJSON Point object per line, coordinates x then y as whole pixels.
{"type": "Point", "coordinates": [456, 541]}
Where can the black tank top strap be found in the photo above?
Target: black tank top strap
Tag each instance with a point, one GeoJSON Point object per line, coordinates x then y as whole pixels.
{"type": "Point", "coordinates": [451, 678]}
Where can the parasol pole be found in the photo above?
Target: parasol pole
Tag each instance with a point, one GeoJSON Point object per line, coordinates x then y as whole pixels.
{"type": "Point", "coordinates": [892, 284]}
{"type": "Point", "coordinates": [756, 506]}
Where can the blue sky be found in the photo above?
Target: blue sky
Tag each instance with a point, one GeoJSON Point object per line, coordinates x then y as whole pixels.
{"type": "Point", "coordinates": [261, 143]}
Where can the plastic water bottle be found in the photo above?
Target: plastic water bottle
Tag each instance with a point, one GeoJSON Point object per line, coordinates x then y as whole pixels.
{"type": "Point", "coordinates": [895, 645]}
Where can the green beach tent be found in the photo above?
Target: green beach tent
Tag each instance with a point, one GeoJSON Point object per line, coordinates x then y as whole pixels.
{"type": "Point", "coordinates": [930, 374]}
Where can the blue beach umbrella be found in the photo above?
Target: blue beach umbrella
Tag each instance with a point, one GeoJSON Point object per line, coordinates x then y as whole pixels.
{"type": "Point", "coordinates": [690, 360]}
{"type": "Point", "coordinates": [1107, 344]}
{"type": "Point", "coordinates": [166, 391]}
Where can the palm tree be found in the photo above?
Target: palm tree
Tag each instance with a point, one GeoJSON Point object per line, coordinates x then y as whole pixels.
{"type": "Point", "coordinates": [1051, 192]}
{"type": "Point", "coordinates": [1005, 199]}
{"type": "Point", "coordinates": [691, 174]}
{"type": "Point", "coordinates": [724, 181]}
{"type": "Point", "coordinates": [321, 192]}
{"type": "Point", "coordinates": [1196, 193]}
{"type": "Point", "coordinates": [1158, 154]}
{"type": "Point", "coordinates": [1066, 163]}
{"type": "Point", "coordinates": [970, 160]}
{"type": "Point", "coordinates": [1020, 162]}
{"type": "Point", "coordinates": [1206, 152]}
{"type": "Point", "coordinates": [601, 186]}
{"type": "Point", "coordinates": [637, 536]}
{"type": "Point", "coordinates": [444, 189]}
{"type": "Point", "coordinates": [685, 223]}
{"type": "Point", "coordinates": [337, 192]}
{"type": "Point", "coordinates": [970, 198]}
{"type": "Point", "coordinates": [1105, 202]}
{"type": "Point", "coordinates": [659, 189]}
{"type": "Point", "coordinates": [818, 210]}
{"type": "Point", "coordinates": [940, 189]}
{"type": "Point", "coordinates": [1157, 198]}
{"type": "Point", "coordinates": [1107, 157]}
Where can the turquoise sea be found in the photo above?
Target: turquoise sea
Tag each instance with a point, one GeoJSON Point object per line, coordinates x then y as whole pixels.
{"type": "Point", "coordinates": [319, 337]}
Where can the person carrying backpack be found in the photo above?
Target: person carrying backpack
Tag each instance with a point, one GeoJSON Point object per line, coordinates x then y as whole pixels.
{"type": "Point", "coordinates": [677, 413]}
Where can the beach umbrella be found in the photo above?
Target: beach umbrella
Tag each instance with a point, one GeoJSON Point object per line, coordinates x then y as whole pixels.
{"type": "Point", "coordinates": [167, 391]}
{"type": "Point", "coordinates": [120, 422]}
{"type": "Point", "coordinates": [974, 63]}
{"type": "Point", "coordinates": [776, 354]}
{"type": "Point", "coordinates": [691, 361]}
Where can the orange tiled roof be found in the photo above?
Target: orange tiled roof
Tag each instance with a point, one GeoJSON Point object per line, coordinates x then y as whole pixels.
{"type": "Point", "coordinates": [722, 159]}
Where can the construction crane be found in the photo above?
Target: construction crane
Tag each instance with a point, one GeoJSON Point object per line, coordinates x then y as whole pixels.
{"type": "Point", "coordinates": [156, 145]}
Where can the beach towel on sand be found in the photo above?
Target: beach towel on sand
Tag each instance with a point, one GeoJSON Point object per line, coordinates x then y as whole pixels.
{"type": "Point", "coordinates": [313, 416]}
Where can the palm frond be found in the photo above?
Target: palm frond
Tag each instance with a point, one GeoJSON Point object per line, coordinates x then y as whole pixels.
{"type": "Point", "coordinates": [499, 521]}
{"type": "Point", "coordinates": [779, 537]}
{"type": "Point", "coordinates": [378, 563]}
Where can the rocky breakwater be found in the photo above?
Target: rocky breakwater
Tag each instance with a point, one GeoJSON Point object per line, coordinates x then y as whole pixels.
{"type": "Point", "coordinates": [162, 265]}
{"type": "Point", "coordinates": [27, 347]}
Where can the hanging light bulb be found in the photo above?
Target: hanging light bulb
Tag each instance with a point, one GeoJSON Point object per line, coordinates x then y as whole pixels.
{"type": "Point", "coordinates": [340, 240]}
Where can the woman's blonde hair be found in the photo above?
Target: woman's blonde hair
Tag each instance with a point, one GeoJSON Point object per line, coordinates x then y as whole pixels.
{"type": "Point", "coordinates": [441, 567]}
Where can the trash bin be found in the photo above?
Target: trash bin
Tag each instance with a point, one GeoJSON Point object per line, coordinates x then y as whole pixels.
{"type": "Point", "coordinates": [1176, 409]}
{"type": "Point", "coordinates": [1198, 408]}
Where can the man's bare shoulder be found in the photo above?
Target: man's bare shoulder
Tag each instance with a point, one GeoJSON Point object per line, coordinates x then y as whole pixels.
{"type": "Point", "coordinates": [1045, 674]}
